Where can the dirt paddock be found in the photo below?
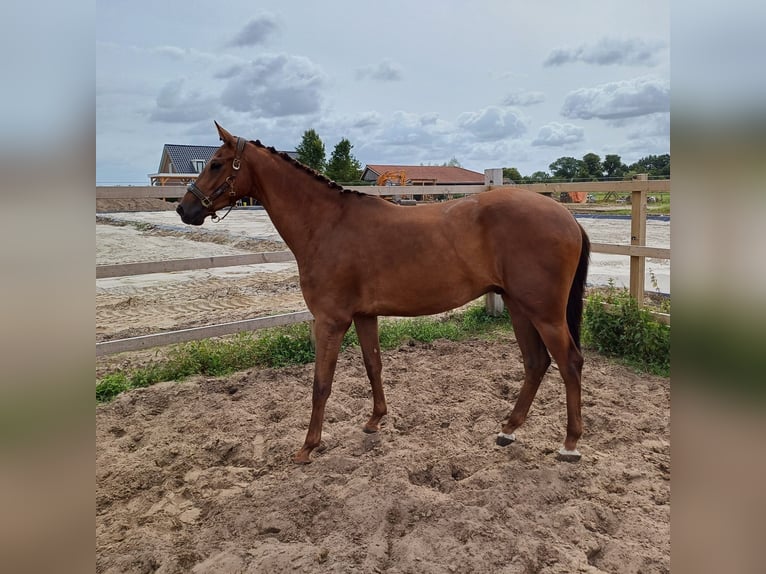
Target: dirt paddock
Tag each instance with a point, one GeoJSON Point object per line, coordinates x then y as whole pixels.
{"type": "Point", "coordinates": [196, 477]}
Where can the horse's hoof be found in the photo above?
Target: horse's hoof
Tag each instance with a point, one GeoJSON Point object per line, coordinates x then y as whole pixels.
{"type": "Point", "coordinates": [302, 458]}
{"type": "Point", "coordinates": [565, 455]}
{"type": "Point", "coordinates": [505, 439]}
{"type": "Point", "coordinates": [370, 430]}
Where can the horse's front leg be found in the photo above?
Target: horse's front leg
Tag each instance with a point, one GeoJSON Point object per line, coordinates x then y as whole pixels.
{"type": "Point", "coordinates": [367, 331]}
{"type": "Point", "coordinates": [329, 336]}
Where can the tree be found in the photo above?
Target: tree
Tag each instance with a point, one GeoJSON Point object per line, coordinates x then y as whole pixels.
{"type": "Point", "coordinates": [311, 151]}
{"type": "Point", "coordinates": [537, 177]}
{"type": "Point", "coordinates": [454, 162]}
{"type": "Point", "coordinates": [565, 168]}
{"type": "Point", "coordinates": [342, 165]}
{"type": "Point", "coordinates": [512, 174]}
{"type": "Point", "coordinates": [656, 165]}
{"type": "Point", "coordinates": [613, 166]}
{"type": "Point", "coordinates": [591, 167]}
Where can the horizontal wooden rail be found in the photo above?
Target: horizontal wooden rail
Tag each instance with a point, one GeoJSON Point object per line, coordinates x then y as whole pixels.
{"type": "Point", "coordinates": [197, 333]}
{"type": "Point", "coordinates": [128, 269]}
{"type": "Point", "coordinates": [139, 191]}
{"type": "Point", "coordinates": [632, 250]}
{"type": "Point", "coordinates": [656, 315]}
{"type": "Point", "coordinates": [649, 186]}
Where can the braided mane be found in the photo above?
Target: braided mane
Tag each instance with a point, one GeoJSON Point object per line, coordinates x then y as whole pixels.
{"type": "Point", "coordinates": [298, 165]}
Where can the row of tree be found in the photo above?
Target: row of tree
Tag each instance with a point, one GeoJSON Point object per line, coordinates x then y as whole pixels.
{"type": "Point", "coordinates": [592, 168]}
{"type": "Point", "coordinates": [343, 166]}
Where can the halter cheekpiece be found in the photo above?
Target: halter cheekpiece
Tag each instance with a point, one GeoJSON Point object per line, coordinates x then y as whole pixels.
{"type": "Point", "coordinates": [228, 183]}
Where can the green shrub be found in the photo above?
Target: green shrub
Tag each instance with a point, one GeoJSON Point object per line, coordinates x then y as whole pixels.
{"type": "Point", "coordinates": [625, 330]}
{"type": "Point", "coordinates": [110, 386]}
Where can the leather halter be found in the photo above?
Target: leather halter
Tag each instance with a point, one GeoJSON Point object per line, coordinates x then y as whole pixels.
{"type": "Point", "coordinates": [207, 201]}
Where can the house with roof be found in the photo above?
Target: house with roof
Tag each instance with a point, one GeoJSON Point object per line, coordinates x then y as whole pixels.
{"type": "Point", "coordinates": [181, 164]}
{"type": "Point", "coordinates": [421, 175]}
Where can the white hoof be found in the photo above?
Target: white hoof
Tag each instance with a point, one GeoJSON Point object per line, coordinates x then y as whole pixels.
{"type": "Point", "coordinates": [569, 455]}
{"type": "Point", "coordinates": [505, 439]}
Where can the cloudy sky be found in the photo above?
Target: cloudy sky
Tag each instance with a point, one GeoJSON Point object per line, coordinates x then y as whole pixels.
{"type": "Point", "coordinates": [493, 83]}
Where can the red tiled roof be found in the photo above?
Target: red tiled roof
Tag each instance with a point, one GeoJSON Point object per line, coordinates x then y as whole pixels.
{"type": "Point", "coordinates": [440, 175]}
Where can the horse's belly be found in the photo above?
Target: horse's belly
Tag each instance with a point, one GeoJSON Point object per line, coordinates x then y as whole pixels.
{"type": "Point", "coordinates": [414, 300]}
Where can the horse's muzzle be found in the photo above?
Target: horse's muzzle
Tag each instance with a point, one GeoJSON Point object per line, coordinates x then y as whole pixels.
{"type": "Point", "coordinates": [190, 218]}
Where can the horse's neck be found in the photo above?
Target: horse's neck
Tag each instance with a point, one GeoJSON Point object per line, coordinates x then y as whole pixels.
{"type": "Point", "coordinates": [298, 204]}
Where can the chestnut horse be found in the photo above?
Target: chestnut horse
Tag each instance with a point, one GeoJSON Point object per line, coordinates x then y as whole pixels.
{"type": "Point", "coordinates": [360, 257]}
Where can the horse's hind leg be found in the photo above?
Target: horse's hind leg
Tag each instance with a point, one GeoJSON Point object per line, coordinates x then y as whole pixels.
{"type": "Point", "coordinates": [536, 363]}
{"type": "Point", "coordinates": [367, 331]}
{"type": "Point", "coordinates": [570, 361]}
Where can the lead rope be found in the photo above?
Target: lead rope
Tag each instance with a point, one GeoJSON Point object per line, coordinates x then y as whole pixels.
{"type": "Point", "coordinates": [215, 219]}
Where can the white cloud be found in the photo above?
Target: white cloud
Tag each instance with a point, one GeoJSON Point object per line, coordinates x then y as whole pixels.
{"type": "Point", "coordinates": [493, 123]}
{"type": "Point", "coordinates": [275, 85]}
{"type": "Point", "coordinates": [366, 120]}
{"type": "Point", "coordinates": [656, 125]}
{"type": "Point", "coordinates": [171, 51]}
{"type": "Point", "coordinates": [556, 134]}
{"type": "Point", "coordinates": [524, 98]}
{"type": "Point", "coordinates": [384, 71]}
{"type": "Point", "coordinates": [629, 98]}
{"type": "Point", "coordinates": [297, 81]}
{"type": "Point", "coordinates": [256, 31]}
{"type": "Point", "coordinates": [229, 72]}
{"type": "Point", "coordinates": [174, 104]}
{"type": "Point", "coordinates": [405, 128]}
{"type": "Point", "coordinates": [610, 51]}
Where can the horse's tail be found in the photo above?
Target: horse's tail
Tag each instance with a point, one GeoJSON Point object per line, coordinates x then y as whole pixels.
{"type": "Point", "coordinates": [574, 305]}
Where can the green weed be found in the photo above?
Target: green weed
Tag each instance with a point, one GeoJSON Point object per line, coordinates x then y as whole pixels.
{"type": "Point", "coordinates": [625, 330]}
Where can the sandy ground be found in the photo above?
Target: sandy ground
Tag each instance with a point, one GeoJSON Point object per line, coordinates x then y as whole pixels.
{"type": "Point", "coordinates": [196, 476]}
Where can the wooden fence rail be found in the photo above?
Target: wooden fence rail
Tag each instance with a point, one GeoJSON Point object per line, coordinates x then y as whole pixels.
{"type": "Point", "coordinates": [128, 269]}
{"type": "Point", "coordinates": [637, 251]}
{"type": "Point", "coordinates": [197, 333]}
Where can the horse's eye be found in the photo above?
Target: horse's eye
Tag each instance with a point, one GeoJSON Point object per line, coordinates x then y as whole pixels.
{"type": "Point", "coordinates": [215, 165]}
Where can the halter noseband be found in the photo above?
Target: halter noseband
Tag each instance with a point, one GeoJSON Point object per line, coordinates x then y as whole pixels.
{"type": "Point", "coordinates": [228, 183]}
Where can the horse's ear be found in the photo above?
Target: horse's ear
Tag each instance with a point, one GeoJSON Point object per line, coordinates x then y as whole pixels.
{"type": "Point", "coordinates": [225, 136]}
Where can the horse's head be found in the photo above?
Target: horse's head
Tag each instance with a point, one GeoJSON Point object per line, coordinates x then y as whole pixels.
{"type": "Point", "coordinates": [220, 183]}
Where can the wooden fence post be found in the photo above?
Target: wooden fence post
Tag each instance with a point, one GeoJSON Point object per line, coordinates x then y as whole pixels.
{"type": "Point", "coordinates": [493, 177]}
{"type": "Point", "coordinates": [493, 303]}
{"type": "Point", "coordinates": [638, 237]}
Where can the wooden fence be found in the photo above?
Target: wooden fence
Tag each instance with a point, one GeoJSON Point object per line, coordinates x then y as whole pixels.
{"type": "Point", "coordinates": [637, 250]}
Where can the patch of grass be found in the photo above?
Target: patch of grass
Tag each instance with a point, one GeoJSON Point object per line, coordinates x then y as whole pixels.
{"type": "Point", "coordinates": [283, 346]}
{"type": "Point", "coordinates": [627, 331]}
{"type": "Point", "coordinates": [111, 385]}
